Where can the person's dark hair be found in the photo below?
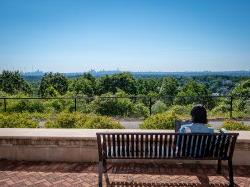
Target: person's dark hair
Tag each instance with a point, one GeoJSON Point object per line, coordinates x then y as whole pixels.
{"type": "Point", "coordinates": [199, 114]}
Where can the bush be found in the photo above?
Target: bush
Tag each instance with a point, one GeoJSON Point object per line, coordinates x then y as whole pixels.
{"type": "Point", "coordinates": [60, 105]}
{"type": "Point", "coordinates": [36, 106]}
{"type": "Point", "coordinates": [19, 106]}
{"type": "Point", "coordinates": [100, 122]}
{"type": "Point", "coordinates": [67, 120]}
{"type": "Point", "coordinates": [235, 125]}
{"type": "Point", "coordinates": [39, 116]}
{"type": "Point", "coordinates": [80, 120]}
{"type": "Point", "coordinates": [61, 120]}
{"type": "Point", "coordinates": [121, 106]}
{"type": "Point", "coordinates": [113, 106]}
{"type": "Point", "coordinates": [181, 110]}
{"type": "Point", "coordinates": [56, 105]}
{"type": "Point", "coordinates": [220, 109]}
{"type": "Point", "coordinates": [25, 106]}
{"type": "Point", "coordinates": [17, 120]}
{"type": "Point", "coordinates": [83, 105]}
{"type": "Point", "coordinates": [51, 124]}
{"type": "Point", "coordinates": [159, 107]}
{"type": "Point", "coordinates": [140, 110]}
{"type": "Point", "coordinates": [160, 121]}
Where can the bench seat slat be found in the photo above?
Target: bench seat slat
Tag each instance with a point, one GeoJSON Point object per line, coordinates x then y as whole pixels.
{"type": "Point", "coordinates": [109, 146]}
{"type": "Point", "coordinates": [142, 149]}
{"type": "Point", "coordinates": [123, 145]}
{"type": "Point", "coordinates": [160, 146]}
{"type": "Point", "coordinates": [113, 146]}
{"type": "Point", "coordinates": [156, 145]}
{"type": "Point", "coordinates": [127, 146]}
{"type": "Point", "coordinates": [170, 145]}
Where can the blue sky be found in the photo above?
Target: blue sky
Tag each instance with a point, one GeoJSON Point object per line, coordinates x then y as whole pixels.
{"type": "Point", "coordinates": [132, 35]}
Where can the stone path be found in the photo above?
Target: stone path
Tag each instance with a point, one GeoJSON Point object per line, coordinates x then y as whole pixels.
{"type": "Point", "coordinates": [19, 174]}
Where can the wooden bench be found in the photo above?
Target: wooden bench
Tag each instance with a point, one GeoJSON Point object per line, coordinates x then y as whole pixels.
{"type": "Point", "coordinates": [192, 146]}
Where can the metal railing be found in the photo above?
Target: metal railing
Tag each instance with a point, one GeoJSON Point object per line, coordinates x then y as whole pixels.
{"type": "Point", "coordinates": [150, 100]}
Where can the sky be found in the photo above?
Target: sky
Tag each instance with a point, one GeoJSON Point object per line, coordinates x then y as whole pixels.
{"type": "Point", "coordinates": [131, 35]}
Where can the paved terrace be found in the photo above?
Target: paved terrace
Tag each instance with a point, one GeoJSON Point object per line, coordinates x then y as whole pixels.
{"type": "Point", "coordinates": [23, 173]}
{"type": "Point", "coordinates": [76, 149]}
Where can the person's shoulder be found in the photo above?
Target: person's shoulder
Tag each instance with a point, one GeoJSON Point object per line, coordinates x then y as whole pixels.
{"type": "Point", "coordinates": [207, 129]}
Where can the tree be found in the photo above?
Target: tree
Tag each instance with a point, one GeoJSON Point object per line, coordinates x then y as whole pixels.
{"type": "Point", "coordinates": [50, 92]}
{"type": "Point", "coordinates": [194, 92]}
{"type": "Point", "coordinates": [147, 85]}
{"type": "Point", "coordinates": [122, 81]}
{"type": "Point", "coordinates": [107, 104]}
{"type": "Point", "coordinates": [168, 89]}
{"type": "Point", "coordinates": [242, 93]}
{"type": "Point", "coordinates": [56, 81]}
{"type": "Point", "coordinates": [82, 86]}
{"type": "Point", "coordinates": [242, 89]}
{"type": "Point", "coordinates": [12, 82]}
{"type": "Point", "coordinates": [89, 77]}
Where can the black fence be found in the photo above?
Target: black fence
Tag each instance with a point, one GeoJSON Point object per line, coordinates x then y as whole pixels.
{"type": "Point", "coordinates": [147, 100]}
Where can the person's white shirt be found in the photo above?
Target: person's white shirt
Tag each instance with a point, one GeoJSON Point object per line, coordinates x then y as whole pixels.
{"type": "Point", "coordinates": [195, 128]}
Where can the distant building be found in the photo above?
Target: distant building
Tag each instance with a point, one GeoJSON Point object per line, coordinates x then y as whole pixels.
{"type": "Point", "coordinates": [216, 94]}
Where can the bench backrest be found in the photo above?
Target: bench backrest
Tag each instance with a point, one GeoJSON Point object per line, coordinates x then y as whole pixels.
{"type": "Point", "coordinates": [166, 145]}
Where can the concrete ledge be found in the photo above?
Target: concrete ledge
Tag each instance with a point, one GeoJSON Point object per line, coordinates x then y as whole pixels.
{"type": "Point", "coordinates": [77, 145]}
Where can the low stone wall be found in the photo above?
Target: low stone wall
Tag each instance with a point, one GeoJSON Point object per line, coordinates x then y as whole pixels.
{"type": "Point", "coordinates": [77, 145]}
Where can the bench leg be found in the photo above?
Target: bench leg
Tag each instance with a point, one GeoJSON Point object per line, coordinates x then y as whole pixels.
{"type": "Point", "coordinates": [106, 172]}
{"type": "Point", "coordinates": [100, 168]}
{"type": "Point", "coordinates": [230, 171]}
{"type": "Point", "coordinates": [219, 167]}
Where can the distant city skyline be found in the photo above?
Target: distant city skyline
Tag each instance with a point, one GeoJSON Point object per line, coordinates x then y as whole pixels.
{"type": "Point", "coordinates": [166, 36]}
{"type": "Point", "coordinates": [239, 72]}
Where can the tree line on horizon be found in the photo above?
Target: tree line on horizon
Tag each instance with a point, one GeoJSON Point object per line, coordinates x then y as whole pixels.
{"type": "Point", "coordinates": [57, 84]}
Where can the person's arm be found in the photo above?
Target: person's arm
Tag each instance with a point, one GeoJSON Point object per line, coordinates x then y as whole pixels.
{"type": "Point", "coordinates": [185, 129]}
{"type": "Point", "coordinates": [182, 130]}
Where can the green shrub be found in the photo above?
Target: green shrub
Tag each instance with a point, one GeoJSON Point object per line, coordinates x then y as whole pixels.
{"type": "Point", "coordinates": [113, 106]}
{"type": "Point", "coordinates": [67, 120]}
{"type": "Point", "coordinates": [160, 121]}
{"type": "Point", "coordinates": [222, 108]}
{"type": "Point", "coordinates": [36, 106]}
{"type": "Point", "coordinates": [81, 120]}
{"type": "Point", "coordinates": [159, 107]}
{"type": "Point", "coordinates": [57, 105]}
{"type": "Point", "coordinates": [121, 107]}
{"type": "Point", "coordinates": [235, 125]}
{"type": "Point", "coordinates": [17, 120]}
{"type": "Point", "coordinates": [20, 106]}
{"type": "Point", "coordinates": [83, 105]}
{"type": "Point", "coordinates": [183, 111]}
{"type": "Point", "coordinates": [51, 124]}
{"type": "Point", "coordinates": [25, 106]}
{"type": "Point", "coordinates": [101, 122]}
{"type": "Point", "coordinates": [140, 110]}
{"type": "Point", "coordinates": [39, 116]}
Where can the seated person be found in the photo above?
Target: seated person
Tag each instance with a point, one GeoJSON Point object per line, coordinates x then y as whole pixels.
{"type": "Point", "coordinates": [198, 125]}
{"type": "Point", "coordinates": [199, 121]}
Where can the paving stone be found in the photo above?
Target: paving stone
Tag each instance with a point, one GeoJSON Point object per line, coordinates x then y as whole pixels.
{"type": "Point", "coordinates": [59, 174]}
